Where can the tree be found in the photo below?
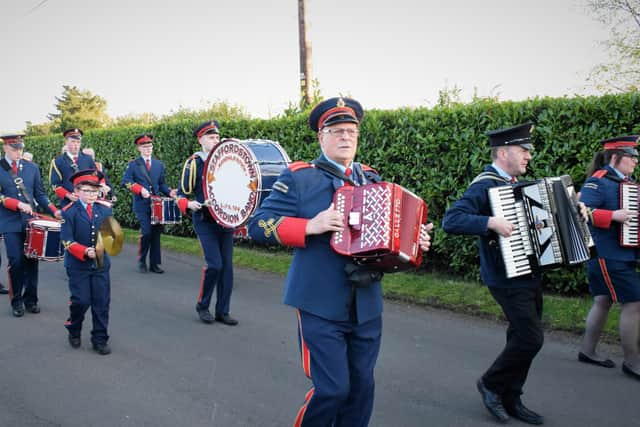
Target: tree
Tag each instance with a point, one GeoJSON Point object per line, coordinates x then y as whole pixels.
{"type": "Point", "coordinates": [79, 108]}
{"type": "Point", "coordinates": [623, 72]}
{"type": "Point", "coordinates": [219, 110]}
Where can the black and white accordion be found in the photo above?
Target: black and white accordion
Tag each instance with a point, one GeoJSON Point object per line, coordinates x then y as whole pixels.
{"type": "Point", "coordinates": [548, 229]}
{"type": "Point", "coordinates": [629, 200]}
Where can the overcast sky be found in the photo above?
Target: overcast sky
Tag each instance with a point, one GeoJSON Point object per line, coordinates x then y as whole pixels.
{"type": "Point", "coordinates": [157, 56]}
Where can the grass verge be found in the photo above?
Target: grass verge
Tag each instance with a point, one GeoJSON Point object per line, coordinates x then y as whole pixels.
{"type": "Point", "coordinates": [435, 290]}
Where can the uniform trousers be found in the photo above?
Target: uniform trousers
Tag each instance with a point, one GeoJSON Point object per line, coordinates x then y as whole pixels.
{"type": "Point", "coordinates": [217, 247]}
{"type": "Point", "coordinates": [149, 239]}
{"type": "Point", "coordinates": [89, 288]}
{"type": "Point", "coordinates": [339, 358]}
{"type": "Point", "coordinates": [523, 310]}
{"type": "Point", "coordinates": [23, 271]}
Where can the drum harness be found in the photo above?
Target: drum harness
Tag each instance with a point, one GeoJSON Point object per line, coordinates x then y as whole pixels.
{"type": "Point", "coordinates": [19, 183]}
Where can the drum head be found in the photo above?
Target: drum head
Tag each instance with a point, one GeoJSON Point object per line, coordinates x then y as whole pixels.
{"type": "Point", "coordinates": [44, 224]}
{"type": "Point", "coordinates": [230, 183]}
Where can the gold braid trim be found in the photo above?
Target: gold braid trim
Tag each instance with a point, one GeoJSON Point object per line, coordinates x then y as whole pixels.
{"type": "Point", "coordinates": [191, 164]}
{"type": "Point", "coordinates": [52, 167]}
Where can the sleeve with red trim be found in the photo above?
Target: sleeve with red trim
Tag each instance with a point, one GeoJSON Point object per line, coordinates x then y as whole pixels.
{"type": "Point", "coordinates": [52, 208]}
{"type": "Point", "coordinates": [61, 192]}
{"type": "Point", "coordinates": [77, 250]}
{"type": "Point", "coordinates": [592, 195]}
{"type": "Point", "coordinates": [10, 203]}
{"type": "Point", "coordinates": [277, 220]}
{"type": "Point", "coordinates": [601, 218]}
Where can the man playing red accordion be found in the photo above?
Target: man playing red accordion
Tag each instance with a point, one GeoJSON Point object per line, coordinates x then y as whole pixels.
{"type": "Point", "coordinates": [339, 322]}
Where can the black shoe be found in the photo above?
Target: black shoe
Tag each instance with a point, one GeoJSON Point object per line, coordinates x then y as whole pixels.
{"type": "Point", "coordinates": [627, 370]}
{"type": "Point", "coordinates": [524, 414]}
{"type": "Point", "coordinates": [102, 349]}
{"type": "Point", "coordinates": [608, 363]}
{"type": "Point", "coordinates": [33, 308]}
{"type": "Point", "coordinates": [75, 342]}
{"type": "Point", "coordinates": [205, 315]}
{"type": "Point", "coordinates": [156, 269]}
{"type": "Point", "coordinates": [226, 319]}
{"type": "Point", "coordinates": [3, 290]}
{"type": "Point", "coordinates": [492, 402]}
{"type": "Point", "coordinates": [18, 310]}
{"type": "Point", "coordinates": [142, 267]}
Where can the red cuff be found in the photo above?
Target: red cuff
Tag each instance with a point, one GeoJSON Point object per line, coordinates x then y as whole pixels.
{"type": "Point", "coordinates": [11, 203]}
{"type": "Point", "coordinates": [602, 218]}
{"type": "Point", "coordinates": [292, 231]}
{"type": "Point", "coordinates": [182, 205]}
{"type": "Point", "coordinates": [53, 208]}
{"type": "Point", "coordinates": [136, 189]}
{"type": "Point", "coordinates": [61, 192]}
{"type": "Point", "coordinates": [77, 250]}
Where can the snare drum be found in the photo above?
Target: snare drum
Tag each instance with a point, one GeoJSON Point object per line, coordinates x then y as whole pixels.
{"type": "Point", "coordinates": [164, 210]}
{"type": "Point", "coordinates": [43, 240]}
{"type": "Point", "coordinates": [238, 176]}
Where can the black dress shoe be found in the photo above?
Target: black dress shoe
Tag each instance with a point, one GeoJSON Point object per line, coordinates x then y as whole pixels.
{"type": "Point", "coordinates": [142, 267]}
{"type": "Point", "coordinates": [492, 402]}
{"type": "Point", "coordinates": [33, 308]}
{"type": "Point", "coordinates": [205, 315]}
{"type": "Point", "coordinates": [608, 363]}
{"type": "Point", "coordinates": [156, 269]}
{"type": "Point", "coordinates": [102, 349]}
{"type": "Point", "coordinates": [524, 414]}
{"type": "Point", "coordinates": [3, 290]}
{"type": "Point", "coordinates": [627, 370]}
{"type": "Point", "coordinates": [18, 310]}
{"type": "Point", "coordinates": [75, 342]}
{"type": "Point", "coordinates": [226, 319]}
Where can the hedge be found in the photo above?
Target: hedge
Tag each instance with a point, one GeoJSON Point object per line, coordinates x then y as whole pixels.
{"type": "Point", "coordinates": [435, 152]}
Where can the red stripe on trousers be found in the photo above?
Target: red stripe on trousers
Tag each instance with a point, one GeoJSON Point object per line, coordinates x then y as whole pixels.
{"type": "Point", "coordinates": [607, 279]}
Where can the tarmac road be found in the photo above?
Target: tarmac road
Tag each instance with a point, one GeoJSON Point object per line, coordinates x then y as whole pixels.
{"type": "Point", "coordinates": [169, 369]}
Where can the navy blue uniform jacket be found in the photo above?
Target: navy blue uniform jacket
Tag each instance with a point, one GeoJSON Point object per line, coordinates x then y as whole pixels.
{"type": "Point", "coordinates": [316, 282]}
{"type": "Point", "coordinates": [78, 232]}
{"type": "Point", "coordinates": [60, 171]}
{"type": "Point", "coordinates": [601, 193]}
{"type": "Point", "coordinates": [135, 179]}
{"type": "Point", "coordinates": [11, 219]}
{"type": "Point", "coordinates": [469, 215]}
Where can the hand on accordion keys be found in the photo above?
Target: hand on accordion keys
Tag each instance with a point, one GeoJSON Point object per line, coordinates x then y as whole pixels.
{"type": "Point", "coordinates": [622, 215]}
{"type": "Point", "coordinates": [425, 238]}
{"type": "Point", "coordinates": [500, 225]}
{"type": "Point", "coordinates": [327, 220]}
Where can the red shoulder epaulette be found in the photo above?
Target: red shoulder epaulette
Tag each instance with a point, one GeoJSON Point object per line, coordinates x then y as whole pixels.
{"type": "Point", "coordinates": [68, 206]}
{"type": "Point", "coordinates": [600, 173]}
{"type": "Point", "coordinates": [368, 169]}
{"type": "Point", "coordinates": [296, 166]}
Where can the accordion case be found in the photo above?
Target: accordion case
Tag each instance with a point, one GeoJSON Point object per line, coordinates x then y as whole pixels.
{"type": "Point", "coordinates": [548, 229]}
{"type": "Point", "coordinates": [381, 226]}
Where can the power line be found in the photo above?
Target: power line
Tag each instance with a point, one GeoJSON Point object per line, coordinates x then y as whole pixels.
{"type": "Point", "coordinates": [36, 7]}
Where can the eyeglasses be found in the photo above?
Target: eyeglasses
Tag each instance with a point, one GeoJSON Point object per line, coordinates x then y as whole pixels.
{"type": "Point", "coordinates": [341, 132]}
{"type": "Point", "coordinates": [88, 191]}
{"type": "Point", "coordinates": [631, 156]}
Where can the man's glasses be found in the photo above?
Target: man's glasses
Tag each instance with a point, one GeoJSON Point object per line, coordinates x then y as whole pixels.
{"type": "Point", "coordinates": [631, 156]}
{"type": "Point", "coordinates": [341, 132]}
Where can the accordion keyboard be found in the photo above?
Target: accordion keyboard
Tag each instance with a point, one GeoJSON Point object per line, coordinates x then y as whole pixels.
{"type": "Point", "coordinates": [629, 201]}
{"type": "Point", "coordinates": [516, 248]}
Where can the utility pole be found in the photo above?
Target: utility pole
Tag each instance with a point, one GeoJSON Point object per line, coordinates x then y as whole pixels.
{"type": "Point", "coordinates": [305, 53]}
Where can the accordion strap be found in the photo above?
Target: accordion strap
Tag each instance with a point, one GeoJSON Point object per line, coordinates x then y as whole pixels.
{"type": "Point", "coordinates": [489, 175]}
{"type": "Point", "coordinates": [328, 167]}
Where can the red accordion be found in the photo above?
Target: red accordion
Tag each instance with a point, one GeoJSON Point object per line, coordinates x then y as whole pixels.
{"type": "Point", "coordinates": [630, 200]}
{"type": "Point", "coordinates": [381, 226]}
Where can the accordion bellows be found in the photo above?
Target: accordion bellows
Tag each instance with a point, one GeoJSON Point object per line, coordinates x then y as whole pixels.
{"type": "Point", "coordinates": [381, 226]}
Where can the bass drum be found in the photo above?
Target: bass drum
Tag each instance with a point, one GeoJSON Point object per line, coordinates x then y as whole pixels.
{"type": "Point", "coordinates": [238, 176]}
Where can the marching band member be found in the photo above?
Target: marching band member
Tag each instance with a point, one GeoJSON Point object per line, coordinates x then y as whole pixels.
{"type": "Point", "coordinates": [20, 188]}
{"type": "Point", "coordinates": [520, 297]}
{"type": "Point", "coordinates": [613, 276]}
{"type": "Point", "coordinates": [89, 283]}
{"type": "Point", "coordinates": [216, 241]}
{"type": "Point", "coordinates": [70, 161]}
{"type": "Point", "coordinates": [144, 177]}
{"type": "Point", "coordinates": [108, 194]}
{"type": "Point", "coordinates": [339, 322]}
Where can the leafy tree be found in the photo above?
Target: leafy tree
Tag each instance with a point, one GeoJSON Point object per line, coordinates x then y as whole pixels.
{"type": "Point", "coordinates": [623, 18]}
{"type": "Point", "coordinates": [39, 129]}
{"type": "Point", "coordinates": [79, 108]}
{"type": "Point", "coordinates": [219, 110]}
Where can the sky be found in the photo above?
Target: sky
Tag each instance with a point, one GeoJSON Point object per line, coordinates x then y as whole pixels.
{"type": "Point", "coordinates": [159, 56]}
